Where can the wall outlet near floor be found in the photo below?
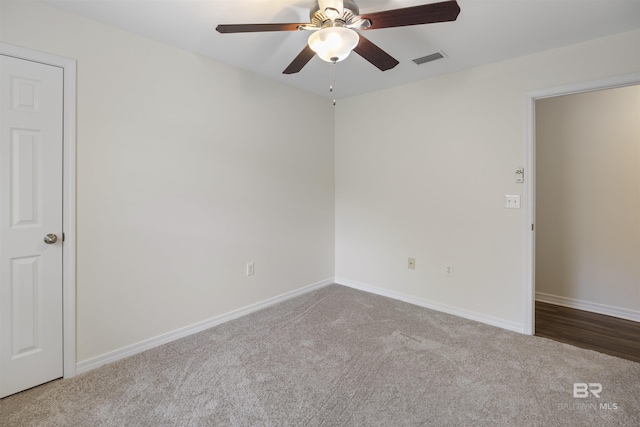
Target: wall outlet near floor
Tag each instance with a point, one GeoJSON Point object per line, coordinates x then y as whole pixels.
{"type": "Point", "coordinates": [412, 264]}
{"type": "Point", "coordinates": [448, 270]}
{"type": "Point", "coordinates": [251, 268]}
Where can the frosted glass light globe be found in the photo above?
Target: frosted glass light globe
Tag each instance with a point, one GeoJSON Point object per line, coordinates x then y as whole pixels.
{"type": "Point", "coordinates": [333, 44]}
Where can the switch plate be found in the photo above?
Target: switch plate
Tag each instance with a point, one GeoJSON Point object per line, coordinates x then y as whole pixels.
{"type": "Point", "coordinates": [519, 175]}
{"type": "Point", "coordinates": [412, 264]}
{"type": "Point", "coordinates": [512, 201]}
{"type": "Point", "coordinates": [251, 268]}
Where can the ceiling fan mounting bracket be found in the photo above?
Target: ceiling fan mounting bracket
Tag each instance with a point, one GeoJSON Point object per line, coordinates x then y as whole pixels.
{"type": "Point", "coordinates": [321, 20]}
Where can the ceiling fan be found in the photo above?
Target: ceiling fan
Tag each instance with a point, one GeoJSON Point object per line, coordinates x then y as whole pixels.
{"type": "Point", "coordinates": [333, 24]}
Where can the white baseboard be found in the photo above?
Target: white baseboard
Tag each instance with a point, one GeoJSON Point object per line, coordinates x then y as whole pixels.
{"type": "Point", "coordinates": [622, 313]}
{"type": "Point", "coordinates": [479, 317]}
{"type": "Point", "coordinates": [130, 350]}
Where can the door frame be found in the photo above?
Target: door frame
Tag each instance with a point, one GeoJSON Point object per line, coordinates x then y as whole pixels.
{"type": "Point", "coordinates": [530, 183]}
{"type": "Point", "coordinates": [68, 195]}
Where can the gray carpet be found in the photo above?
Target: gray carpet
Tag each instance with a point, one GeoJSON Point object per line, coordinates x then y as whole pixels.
{"type": "Point", "coordinates": [337, 357]}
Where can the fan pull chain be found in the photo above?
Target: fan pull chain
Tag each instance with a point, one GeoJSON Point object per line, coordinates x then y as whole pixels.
{"type": "Point", "coordinates": [332, 83]}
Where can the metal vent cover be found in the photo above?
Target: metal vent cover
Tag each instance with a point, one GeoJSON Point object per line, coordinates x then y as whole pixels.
{"type": "Point", "coordinates": [429, 58]}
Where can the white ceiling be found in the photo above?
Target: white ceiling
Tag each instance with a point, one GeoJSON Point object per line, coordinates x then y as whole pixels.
{"type": "Point", "coordinates": [486, 31]}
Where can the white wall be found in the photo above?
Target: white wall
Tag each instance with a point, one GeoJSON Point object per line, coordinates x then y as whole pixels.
{"type": "Point", "coordinates": [426, 172]}
{"type": "Point", "coordinates": [588, 197]}
{"type": "Point", "coordinates": [187, 169]}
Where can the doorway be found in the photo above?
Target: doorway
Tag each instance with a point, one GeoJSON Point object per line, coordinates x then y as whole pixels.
{"type": "Point", "coordinates": [37, 323]}
{"type": "Point", "coordinates": [530, 188]}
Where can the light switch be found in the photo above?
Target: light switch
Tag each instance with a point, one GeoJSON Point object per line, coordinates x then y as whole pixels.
{"type": "Point", "coordinates": [512, 201]}
{"type": "Point", "coordinates": [519, 175]}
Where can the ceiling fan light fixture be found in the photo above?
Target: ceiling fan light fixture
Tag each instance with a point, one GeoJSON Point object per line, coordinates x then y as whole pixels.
{"type": "Point", "coordinates": [333, 44]}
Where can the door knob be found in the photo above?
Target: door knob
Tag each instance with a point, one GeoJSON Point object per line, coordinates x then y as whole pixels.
{"type": "Point", "coordinates": [50, 239]}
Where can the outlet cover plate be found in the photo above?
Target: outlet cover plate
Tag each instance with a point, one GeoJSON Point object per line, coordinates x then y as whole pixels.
{"type": "Point", "coordinates": [448, 270]}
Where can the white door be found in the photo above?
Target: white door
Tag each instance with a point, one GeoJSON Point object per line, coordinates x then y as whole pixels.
{"type": "Point", "coordinates": [31, 341]}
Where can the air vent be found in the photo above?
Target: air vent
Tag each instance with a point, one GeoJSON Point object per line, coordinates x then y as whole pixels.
{"type": "Point", "coordinates": [429, 58]}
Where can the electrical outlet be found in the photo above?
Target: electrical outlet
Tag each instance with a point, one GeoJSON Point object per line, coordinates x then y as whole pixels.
{"type": "Point", "coordinates": [412, 264]}
{"type": "Point", "coordinates": [448, 270]}
{"type": "Point", "coordinates": [251, 268]}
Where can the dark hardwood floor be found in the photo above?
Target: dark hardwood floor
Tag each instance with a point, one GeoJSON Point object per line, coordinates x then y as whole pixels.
{"type": "Point", "coordinates": [606, 334]}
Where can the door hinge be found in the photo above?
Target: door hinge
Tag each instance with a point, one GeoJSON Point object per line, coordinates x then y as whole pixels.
{"type": "Point", "coordinates": [531, 227]}
{"type": "Point", "coordinates": [63, 237]}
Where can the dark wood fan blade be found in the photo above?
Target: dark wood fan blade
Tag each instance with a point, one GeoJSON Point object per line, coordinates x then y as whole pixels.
{"type": "Point", "coordinates": [256, 28]}
{"type": "Point", "coordinates": [426, 14]}
{"type": "Point", "coordinates": [375, 55]}
{"type": "Point", "coordinates": [300, 61]}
